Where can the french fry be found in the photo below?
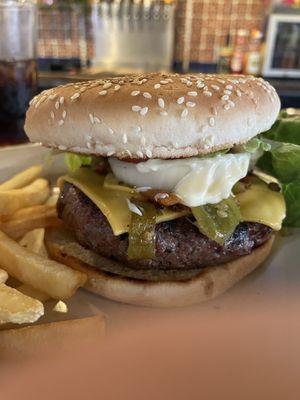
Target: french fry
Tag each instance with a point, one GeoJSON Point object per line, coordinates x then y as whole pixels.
{"type": "Point", "coordinates": [22, 179]}
{"type": "Point", "coordinates": [34, 293]}
{"type": "Point", "coordinates": [28, 219]}
{"type": "Point", "coordinates": [37, 340]}
{"type": "Point", "coordinates": [3, 276]}
{"type": "Point", "coordinates": [17, 308]}
{"type": "Point", "coordinates": [54, 196]}
{"type": "Point", "coordinates": [34, 241]}
{"type": "Point", "coordinates": [60, 307]}
{"type": "Point", "coordinates": [55, 279]}
{"type": "Point", "coordinates": [35, 193]}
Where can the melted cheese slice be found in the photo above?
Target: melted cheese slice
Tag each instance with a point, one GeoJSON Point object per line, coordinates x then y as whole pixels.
{"type": "Point", "coordinates": [257, 204]}
{"type": "Point", "coordinates": [112, 203]}
{"type": "Point", "coordinates": [263, 205]}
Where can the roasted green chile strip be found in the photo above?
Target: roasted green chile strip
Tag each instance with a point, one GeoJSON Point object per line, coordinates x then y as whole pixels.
{"type": "Point", "coordinates": [142, 232]}
{"type": "Point", "coordinates": [218, 221]}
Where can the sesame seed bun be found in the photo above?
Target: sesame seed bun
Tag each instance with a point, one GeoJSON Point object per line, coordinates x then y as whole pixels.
{"type": "Point", "coordinates": [210, 283]}
{"type": "Point", "coordinates": [153, 115]}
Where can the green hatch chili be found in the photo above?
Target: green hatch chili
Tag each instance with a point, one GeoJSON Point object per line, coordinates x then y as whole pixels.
{"type": "Point", "coordinates": [218, 221]}
{"type": "Point", "coordinates": [142, 232]}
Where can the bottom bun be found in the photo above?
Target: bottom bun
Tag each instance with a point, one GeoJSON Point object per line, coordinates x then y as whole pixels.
{"type": "Point", "coordinates": [210, 283]}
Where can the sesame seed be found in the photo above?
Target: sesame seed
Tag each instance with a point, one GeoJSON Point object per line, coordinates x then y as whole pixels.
{"type": "Point", "coordinates": [225, 97]}
{"type": "Point", "coordinates": [190, 104]}
{"type": "Point", "coordinates": [149, 153]}
{"type": "Point", "coordinates": [157, 86]}
{"type": "Point", "coordinates": [220, 81]}
{"type": "Point", "coordinates": [117, 87]}
{"type": "Point", "coordinates": [61, 122]}
{"type": "Point", "coordinates": [211, 121]}
{"type": "Point", "coordinates": [129, 153]}
{"type": "Point", "coordinates": [215, 87]}
{"type": "Point", "coordinates": [110, 130]}
{"type": "Point", "coordinates": [226, 106]}
{"type": "Point", "coordinates": [180, 100]}
{"type": "Point", "coordinates": [97, 120]}
{"type": "Point", "coordinates": [107, 85]}
{"type": "Point", "coordinates": [161, 103]}
{"type": "Point", "coordinates": [164, 113]}
{"type": "Point", "coordinates": [239, 93]}
{"type": "Point", "coordinates": [75, 96]}
{"type": "Point", "coordinates": [144, 111]}
{"type": "Point", "coordinates": [231, 103]}
{"type": "Point", "coordinates": [52, 114]}
{"type": "Point", "coordinates": [200, 85]}
{"type": "Point", "coordinates": [61, 100]}
{"type": "Point", "coordinates": [103, 92]}
{"type": "Point", "coordinates": [135, 93]}
{"type": "Point", "coordinates": [207, 93]}
{"type": "Point", "coordinates": [52, 96]}
{"type": "Point", "coordinates": [193, 94]}
{"type": "Point", "coordinates": [227, 92]}
{"type": "Point", "coordinates": [137, 129]}
{"type": "Point", "coordinates": [140, 154]}
{"type": "Point", "coordinates": [91, 117]}
{"type": "Point", "coordinates": [110, 153]}
{"type": "Point", "coordinates": [147, 95]}
{"type": "Point", "coordinates": [164, 82]}
{"type": "Point", "coordinates": [229, 87]}
{"type": "Point", "coordinates": [189, 83]}
{"type": "Point", "coordinates": [57, 105]}
{"type": "Point", "coordinates": [184, 113]}
{"type": "Point", "coordinates": [82, 90]}
{"type": "Point", "coordinates": [124, 138]}
{"type": "Point", "coordinates": [136, 108]}
{"type": "Point", "coordinates": [64, 114]}
{"type": "Point", "coordinates": [214, 111]}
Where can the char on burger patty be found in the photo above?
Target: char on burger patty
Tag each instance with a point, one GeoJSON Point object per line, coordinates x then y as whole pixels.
{"type": "Point", "coordinates": [179, 244]}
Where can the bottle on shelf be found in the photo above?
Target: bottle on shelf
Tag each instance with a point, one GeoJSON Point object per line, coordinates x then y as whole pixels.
{"type": "Point", "coordinates": [225, 54]}
{"type": "Point", "coordinates": [238, 55]}
{"type": "Point", "coordinates": [253, 62]}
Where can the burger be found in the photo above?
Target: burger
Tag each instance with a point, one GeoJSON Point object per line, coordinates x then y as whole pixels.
{"type": "Point", "coordinates": [162, 205]}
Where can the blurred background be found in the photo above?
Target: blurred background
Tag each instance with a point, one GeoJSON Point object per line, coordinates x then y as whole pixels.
{"type": "Point", "coordinates": [45, 43]}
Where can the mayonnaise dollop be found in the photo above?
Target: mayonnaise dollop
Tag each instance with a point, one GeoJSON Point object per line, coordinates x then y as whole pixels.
{"type": "Point", "coordinates": [196, 181]}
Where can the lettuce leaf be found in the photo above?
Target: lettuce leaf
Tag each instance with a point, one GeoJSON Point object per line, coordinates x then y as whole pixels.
{"type": "Point", "coordinates": [286, 162]}
{"type": "Point", "coordinates": [256, 144]}
{"type": "Point", "coordinates": [75, 161]}
{"type": "Point", "coordinates": [283, 162]}
{"type": "Point", "coordinates": [286, 129]}
{"type": "Point", "coordinates": [291, 193]}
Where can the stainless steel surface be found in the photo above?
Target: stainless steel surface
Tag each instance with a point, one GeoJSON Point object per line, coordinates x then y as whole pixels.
{"type": "Point", "coordinates": [127, 34]}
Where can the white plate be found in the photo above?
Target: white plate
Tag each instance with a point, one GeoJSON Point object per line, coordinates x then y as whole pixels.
{"type": "Point", "coordinates": [272, 286]}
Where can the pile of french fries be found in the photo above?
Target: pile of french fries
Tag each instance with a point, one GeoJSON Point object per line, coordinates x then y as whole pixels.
{"type": "Point", "coordinates": [27, 208]}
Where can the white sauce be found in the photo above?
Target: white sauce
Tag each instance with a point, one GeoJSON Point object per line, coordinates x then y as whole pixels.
{"type": "Point", "coordinates": [196, 181]}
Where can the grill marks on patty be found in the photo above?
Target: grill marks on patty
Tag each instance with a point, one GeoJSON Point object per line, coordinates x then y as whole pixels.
{"type": "Point", "coordinates": [179, 244]}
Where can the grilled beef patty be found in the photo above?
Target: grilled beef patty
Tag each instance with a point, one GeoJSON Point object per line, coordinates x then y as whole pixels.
{"type": "Point", "coordinates": [181, 250]}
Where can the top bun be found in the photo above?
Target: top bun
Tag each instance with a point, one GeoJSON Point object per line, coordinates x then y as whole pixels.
{"type": "Point", "coordinates": [153, 115]}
